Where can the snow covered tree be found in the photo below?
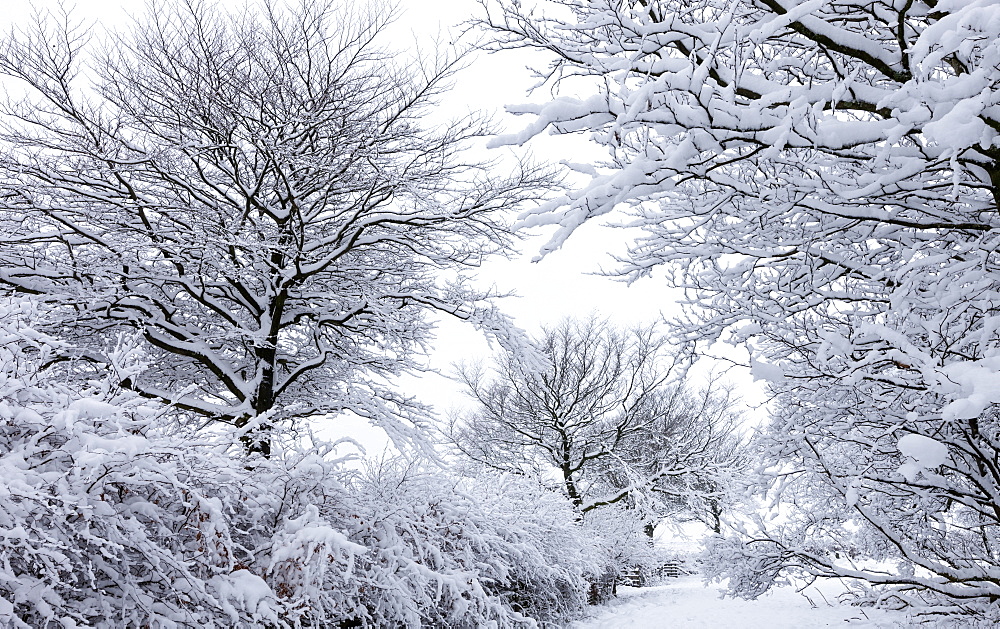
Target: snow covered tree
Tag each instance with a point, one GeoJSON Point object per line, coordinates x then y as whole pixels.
{"type": "Point", "coordinates": [823, 178]}
{"type": "Point", "coordinates": [684, 463]}
{"type": "Point", "coordinates": [259, 193]}
{"type": "Point", "coordinates": [603, 412]}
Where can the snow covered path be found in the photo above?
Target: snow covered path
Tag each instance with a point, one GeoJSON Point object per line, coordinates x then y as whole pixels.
{"type": "Point", "coordinates": [686, 604]}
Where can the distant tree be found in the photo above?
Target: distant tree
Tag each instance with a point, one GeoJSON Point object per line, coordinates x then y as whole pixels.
{"type": "Point", "coordinates": [823, 179]}
{"type": "Point", "coordinates": [259, 193]}
{"type": "Point", "coordinates": [692, 449]}
{"type": "Point", "coordinates": [603, 412]}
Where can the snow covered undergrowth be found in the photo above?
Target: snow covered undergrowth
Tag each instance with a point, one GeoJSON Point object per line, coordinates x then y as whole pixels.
{"type": "Point", "coordinates": [686, 603]}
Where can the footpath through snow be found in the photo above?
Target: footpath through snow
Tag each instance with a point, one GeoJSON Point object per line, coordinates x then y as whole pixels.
{"type": "Point", "coordinates": [686, 603]}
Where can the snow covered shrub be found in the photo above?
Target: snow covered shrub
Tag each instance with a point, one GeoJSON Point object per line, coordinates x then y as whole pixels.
{"type": "Point", "coordinates": [298, 533]}
{"type": "Point", "coordinates": [450, 552]}
{"type": "Point", "coordinates": [105, 520]}
{"type": "Point", "coordinates": [750, 573]}
{"type": "Point", "coordinates": [620, 542]}
{"type": "Point", "coordinates": [112, 516]}
{"type": "Point", "coordinates": [549, 553]}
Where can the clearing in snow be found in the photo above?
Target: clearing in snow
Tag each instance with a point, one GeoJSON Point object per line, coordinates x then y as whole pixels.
{"type": "Point", "coordinates": [686, 603]}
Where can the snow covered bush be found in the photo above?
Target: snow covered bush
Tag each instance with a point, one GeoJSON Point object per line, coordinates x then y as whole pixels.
{"type": "Point", "coordinates": [621, 541]}
{"type": "Point", "coordinates": [748, 573]}
{"type": "Point", "coordinates": [106, 520]}
{"type": "Point", "coordinates": [462, 552]}
{"type": "Point", "coordinates": [550, 555]}
{"type": "Point", "coordinates": [111, 515]}
{"type": "Point", "coordinates": [822, 179]}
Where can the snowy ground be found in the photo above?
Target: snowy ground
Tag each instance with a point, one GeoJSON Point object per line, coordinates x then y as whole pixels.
{"type": "Point", "coordinates": [686, 603]}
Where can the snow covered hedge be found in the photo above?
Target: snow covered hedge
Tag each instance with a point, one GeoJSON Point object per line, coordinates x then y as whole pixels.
{"type": "Point", "coordinates": [493, 548]}
{"type": "Point", "coordinates": [105, 517]}
{"type": "Point", "coordinates": [111, 516]}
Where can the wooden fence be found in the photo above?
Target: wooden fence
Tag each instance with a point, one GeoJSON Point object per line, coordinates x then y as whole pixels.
{"type": "Point", "coordinates": [636, 577]}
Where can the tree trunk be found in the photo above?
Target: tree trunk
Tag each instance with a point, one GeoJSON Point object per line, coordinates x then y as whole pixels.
{"type": "Point", "coordinates": [258, 440]}
{"type": "Point", "coordinates": [571, 490]}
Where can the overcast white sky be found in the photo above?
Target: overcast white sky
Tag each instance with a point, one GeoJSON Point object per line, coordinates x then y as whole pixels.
{"type": "Point", "coordinates": [560, 285]}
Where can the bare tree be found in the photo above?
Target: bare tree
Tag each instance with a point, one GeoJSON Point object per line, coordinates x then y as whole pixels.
{"type": "Point", "coordinates": [258, 193]}
{"type": "Point", "coordinates": [604, 412]}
